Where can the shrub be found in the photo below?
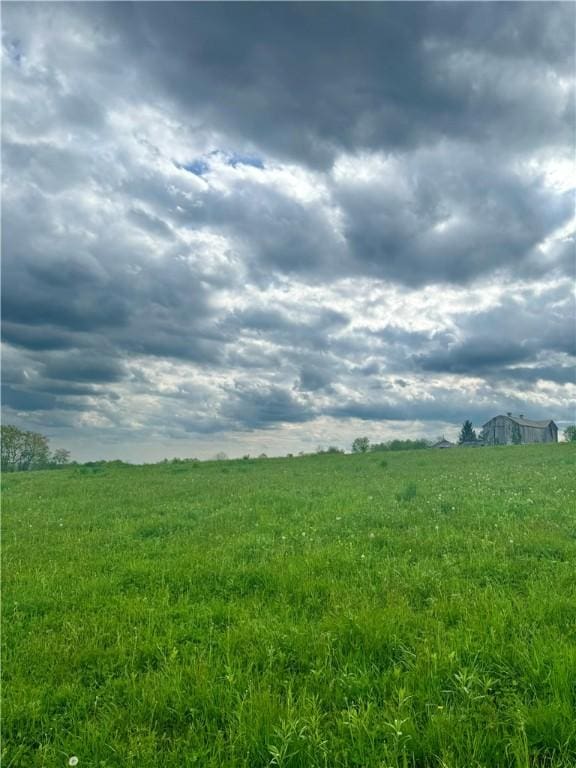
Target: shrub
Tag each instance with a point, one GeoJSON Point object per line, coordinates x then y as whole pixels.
{"type": "Point", "coordinates": [360, 445]}
{"type": "Point", "coordinates": [407, 493]}
{"type": "Point", "coordinates": [401, 445]}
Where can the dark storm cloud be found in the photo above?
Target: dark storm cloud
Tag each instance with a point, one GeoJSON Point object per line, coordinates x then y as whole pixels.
{"type": "Point", "coordinates": [310, 331]}
{"type": "Point", "coordinates": [81, 303]}
{"type": "Point", "coordinates": [23, 400]}
{"type": "Point", "coordinates": [84, 368]}
{"type": "Point", "coordinates": [67, 288]}
{"type": "Point", "coordinates": [474, 356]}
{"type": "Point", "coordinates": [276, 232]}
{"type": "Point", "coordinates": [201, 425]}
{"type": "Point", "coordinates": [446, 405]}
{"type": "Point", "coordinates": [435, 219]}
{"type": "Point", "coordinates": [425, 84]}
{"type": "Point", "coordinates": [31, 337]}
{"type": "Point", "coordinates": [529, 327]}
{"type": "Point", "coordinates": [440, 409]}
{"type": "Point", "coordinates": [541, 321]}
{"type": "Point", "coordinates": [306, 80]}
{"type": "Point", "coordinates": [49, 278]}
{"type": "Point", "coordinates": [255, 407]}
{"type": "Point", "coordinates": [72, 389]}
{"type": "Point", "coordinates": [53, 379]}
{"type": "Point", "coordinates": [476, 83]}
{"type": "Point", "coordinates": [314, 378]}
{"type": "Point", "coordinates": [561, 374]}
{"type": "Point", "coordinates": [29, 400]}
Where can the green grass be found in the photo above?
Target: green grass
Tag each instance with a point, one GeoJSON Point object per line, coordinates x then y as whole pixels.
{"type": "Point", "coordinates": [320, 611]}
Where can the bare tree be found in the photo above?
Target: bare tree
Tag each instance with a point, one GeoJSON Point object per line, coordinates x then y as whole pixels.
{"type": "Point", "coordinates": [60, 457]}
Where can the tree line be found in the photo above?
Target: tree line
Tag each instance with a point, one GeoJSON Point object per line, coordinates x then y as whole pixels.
{"type": "Point", "coordinates": [363, 445]}
{"type": "Point", "coordinates": [23, 451]}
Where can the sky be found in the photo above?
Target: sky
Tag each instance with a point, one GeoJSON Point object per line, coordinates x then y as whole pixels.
{"type": "Point", "coordinates": [269, 227]}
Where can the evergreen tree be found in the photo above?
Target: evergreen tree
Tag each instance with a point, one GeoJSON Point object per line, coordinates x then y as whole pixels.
{"type": "Point", "coordinates": [467, 433]}
{"type": "Point", "coordinates": [516, 435]}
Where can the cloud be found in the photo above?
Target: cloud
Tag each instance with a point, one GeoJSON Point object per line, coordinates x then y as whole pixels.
{"type": "Point", "coordinates": [22, 400]}
{"type": "Point", "coordinates": [80, 368]}
{"type": "Point", "coordinates": [560, 374]}
{"type": "Point", "coordinates": [474, 356]}
{"type": "Point", "coordinates": [311, 330]}
{"type": "Point", "coordinates": [445, 214]}
{"type": "Point", "coordinates": [494, 342]}
{"type": "Point", "coordinates": [306, 84]}
{"type": "Point", "coordinates": [256, 407]}
{"type": "Point", "coordinates": [314, 378]}
{"type": "Point", "coordinates": [30, 337]}
{"type": "Point", "coordinates": [284, 214]}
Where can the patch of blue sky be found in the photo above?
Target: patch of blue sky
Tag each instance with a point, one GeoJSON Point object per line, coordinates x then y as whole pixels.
{"type": "Point", "coordinates": [200, 167]}
{"type": "Point", "coordinates": [234, 159]}
{"type": "Point", "coordinates": [197, 167]}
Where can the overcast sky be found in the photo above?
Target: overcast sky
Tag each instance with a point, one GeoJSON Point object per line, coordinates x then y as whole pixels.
{"type": "Point", "coordinates": [268, 227]}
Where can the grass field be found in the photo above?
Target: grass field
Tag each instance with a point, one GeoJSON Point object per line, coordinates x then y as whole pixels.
{"type": "Point", "coordinates": [389, 609]}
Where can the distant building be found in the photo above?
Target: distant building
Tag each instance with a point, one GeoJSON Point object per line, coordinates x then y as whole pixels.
{"type": "Point", "coordinates": [444, 444]}
{"type": "Point", "coordinates": [505, 430]}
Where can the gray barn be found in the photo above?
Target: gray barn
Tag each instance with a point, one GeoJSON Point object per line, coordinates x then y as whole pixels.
{"type": "Point", "coordinates": [501, 430]}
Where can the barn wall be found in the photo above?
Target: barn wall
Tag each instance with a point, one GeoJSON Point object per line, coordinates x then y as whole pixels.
{"type": "Point", "coordinates": [532, 434]}
{"type": "Point", "coordinates": [551, 434]}
{"type": "Point", "coordinates": [499, 432]}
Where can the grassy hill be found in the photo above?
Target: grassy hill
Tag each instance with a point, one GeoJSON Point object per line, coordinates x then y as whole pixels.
{"type": "Point", "coordinates": [388, 609]}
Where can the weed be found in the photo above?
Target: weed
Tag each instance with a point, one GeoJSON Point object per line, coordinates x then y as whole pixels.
{"type": "Point", "coordinates": [408, 492]}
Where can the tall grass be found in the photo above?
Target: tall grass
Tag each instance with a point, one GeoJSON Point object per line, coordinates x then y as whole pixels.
{"type": "Point", "coordinates": [320, 611]}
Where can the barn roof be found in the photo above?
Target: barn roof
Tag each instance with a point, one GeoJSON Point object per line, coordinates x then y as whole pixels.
{"type": "Point", "coordinates": [522, 422]}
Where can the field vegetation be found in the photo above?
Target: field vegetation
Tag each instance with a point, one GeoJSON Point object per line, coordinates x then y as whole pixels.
{"type": "Point", "coordinates": [410, 610]}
